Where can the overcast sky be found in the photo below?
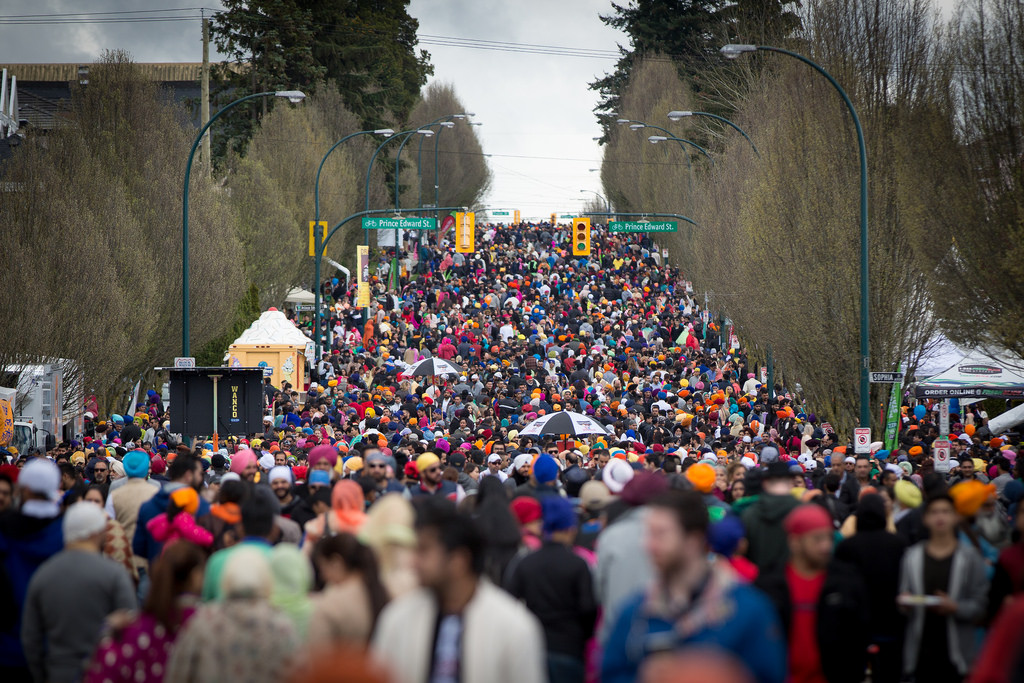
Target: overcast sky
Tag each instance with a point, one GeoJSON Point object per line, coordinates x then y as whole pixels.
{"type": "Point", "coordinates": [536, 109]}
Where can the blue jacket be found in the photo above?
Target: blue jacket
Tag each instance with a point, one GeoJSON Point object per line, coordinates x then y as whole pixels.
{"type": "Point", "coordinates": [736, 618]}
{"type": "Point", "coordinates": [25, 543]}
{"type": "Point", "coordinates": [143, 543]}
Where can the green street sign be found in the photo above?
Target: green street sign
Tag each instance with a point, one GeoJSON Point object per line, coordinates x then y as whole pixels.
{"type": "Point", "coordinates": [567, 215]}
{"type": "Point", "coordinates": [643, 226]}
{"type": "Point", "coordinates": [412, 223]}
{"type": "Point", "coordinates": [501, 213]}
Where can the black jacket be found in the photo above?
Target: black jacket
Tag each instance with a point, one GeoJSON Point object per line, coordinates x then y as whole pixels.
{"type": "Point", "coordinates": [557, 587]}
{"type": "Point", "coordinates": [850, 492]}
{"type": "Point", "coordinates": [842, 619]}
{"type": "Point", "coordinates": [876, 555]}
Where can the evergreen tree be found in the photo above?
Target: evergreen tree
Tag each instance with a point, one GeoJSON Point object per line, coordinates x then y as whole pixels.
{"type": "Point", "coordinates": [365, 48]}
{"type": "Point", "coordinates": [368, 49]}
{"type": "Point", "coordinates": [270, 46]}
{"type": "Point", "coordinates": [689, 32]}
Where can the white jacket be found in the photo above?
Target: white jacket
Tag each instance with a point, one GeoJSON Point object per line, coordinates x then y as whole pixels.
{"type": "Point", "coordinates": [502, 642]}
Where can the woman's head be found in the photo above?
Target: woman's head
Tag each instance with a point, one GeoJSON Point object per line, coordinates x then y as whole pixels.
{"type": "Point", "coordinates": [178, 571]}
{"type": "Point", "coordinates": [339, 557]}
{"type": "Point", "coordinates": [94, 494]}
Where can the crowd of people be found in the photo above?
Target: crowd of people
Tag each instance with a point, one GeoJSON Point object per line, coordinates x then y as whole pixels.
{"type": "Point", "coordinates": [387, 526]}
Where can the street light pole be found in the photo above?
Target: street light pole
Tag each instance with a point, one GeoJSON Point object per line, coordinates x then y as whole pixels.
{"type": "Point", "coordinates": [655, 139]}
{"type": "Point", "coordinates": [318, 235]}
{"type": "Point", "coordinates": [442, 123]}
{"type": "Point", "coordinates": [640, 125]}
{"type": "Point", "coordinates": [733, 51]}
{"type": "Point", "coordinates": [676, 115]}
{"type": "Point", "coordinates": [293, 96]}
{"type": "Point", "coordinates": [607, 204]}
{"type": "Point", "coordinates": [424, 132]}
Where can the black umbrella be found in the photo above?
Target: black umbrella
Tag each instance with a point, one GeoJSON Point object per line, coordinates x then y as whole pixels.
{"type": "Point", "coordinates": [434, 367]}
{"type": "Point", "coordinates": [564, 422]}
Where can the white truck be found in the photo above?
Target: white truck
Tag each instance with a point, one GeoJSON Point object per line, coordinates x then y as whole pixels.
{"type": "Point", "coordinates": [46, 411]}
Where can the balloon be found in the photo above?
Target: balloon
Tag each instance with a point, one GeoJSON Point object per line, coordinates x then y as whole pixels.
{"type": "Point", "coordinates": [919, 412]}
{"type": "Point", "coordinates": [969, 430]}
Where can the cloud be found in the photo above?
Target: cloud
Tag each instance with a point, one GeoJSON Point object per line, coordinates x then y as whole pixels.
{"type": "Point", "coordinates": [531, 105]}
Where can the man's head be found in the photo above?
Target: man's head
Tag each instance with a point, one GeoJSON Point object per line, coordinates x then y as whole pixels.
{"type": "Point", "coordinates": [186, 469]}
{"type": "Point", "coordinates": [449, 546]}
{"type": "Point", "coordinates": [967, 467]}
{"type": "Point", "coordinates": [258, 514]}
{"type": "Point", "coordinates": [39, 479]}
{"type": "Point", "coordinates": [848, 463]}
{"type": "Point", "coordinates": [100, 470]}
{"type": "Point", "coordinates": [84, 524]}
{"type": "Point", "coordinates": [676, 534]}
{"type": "Point", "coordinates": [281, 481]}
{"type": "Point", "coordinates": [376, 464]}
{"type": "Point", "coordinates": [862, 468]}
{"type": "Point", "coordinates": [809, 530]}
{"type": "Point", "coordinates": [939, 515]}
{"type": "Point", "coordinates": [429, 467]}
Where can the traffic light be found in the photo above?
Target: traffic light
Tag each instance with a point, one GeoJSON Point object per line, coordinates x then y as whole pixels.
{"type": "Point", "coordinates": [581, 237]}
{"type": "Point", "coordinates": [554, 218]}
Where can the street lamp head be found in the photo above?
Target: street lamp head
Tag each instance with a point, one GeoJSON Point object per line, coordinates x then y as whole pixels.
{"type": "Point", "coordinates": [293, 96]}
{"type": "Point", "coordinates": [637, 126]}
{"type": "Point", "coordinates": [655, 139]}
{"type": "Point", "coordinates": [732, 51]}
{"type": "Point", "coordinates": [448, 124]}
{"type": "Point", "coordinates": [384, 131]}
{"type": "Point", "coordinates": [476, 123]}
{"type": "Point", "coordinates": [458, 116]}
{"type": "Point", "coordinates": [621, 121]}
{"type": "Point", "coordinates": [425, 132]}
{"type": "Point", "coordinates": [676, 115]}
{"type": "Point", "coordinates": [594, 170]}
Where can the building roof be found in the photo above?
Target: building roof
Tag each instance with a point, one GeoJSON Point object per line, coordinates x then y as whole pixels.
{"type": "Point", "coordinates": [164, 72]}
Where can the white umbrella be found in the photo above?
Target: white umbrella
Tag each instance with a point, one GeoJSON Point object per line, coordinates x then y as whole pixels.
{"type": "Point", "coordinates": [434, 367]}
{"type": "Point", "coordinates": [564, 422]}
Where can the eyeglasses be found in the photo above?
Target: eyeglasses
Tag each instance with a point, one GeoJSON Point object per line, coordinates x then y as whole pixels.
{"type": "Point", "coordinates": [100, 470]}
{"type": "Point", "coordinates": [376, 466]}
{"type": "Point", "coordinates": [431, 470]}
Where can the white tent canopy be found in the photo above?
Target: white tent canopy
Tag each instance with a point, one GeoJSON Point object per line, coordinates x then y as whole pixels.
{"type": "Point", "coordinates": [978, 374]}
{"type": "Point", "coordinates": [297, 295]}
{"type": "Point", "coordinates": [272, 327]}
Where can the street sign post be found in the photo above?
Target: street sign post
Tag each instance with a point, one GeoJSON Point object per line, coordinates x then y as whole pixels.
{"type": "Point", "coordinates": [862, 440]}
{"type": "Point", "coordinates": [885, 377]}
{"type": "Point", "coordinates": [944, 418]}
{"type": "Point", "coordinates": [940, 451]}
{"type": "Point", "coordinates": [398, 223]}
{"type": "Point", "coordinates": [643, 226]}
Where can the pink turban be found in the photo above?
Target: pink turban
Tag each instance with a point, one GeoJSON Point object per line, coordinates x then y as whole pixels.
{"type": "Point", "coordinates": [323, 452]}
{"type": "Point", "coordinates": [242, 459]}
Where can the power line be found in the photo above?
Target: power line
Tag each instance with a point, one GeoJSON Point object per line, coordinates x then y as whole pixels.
{"type": "Point", "coordinates": [87, 14]}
